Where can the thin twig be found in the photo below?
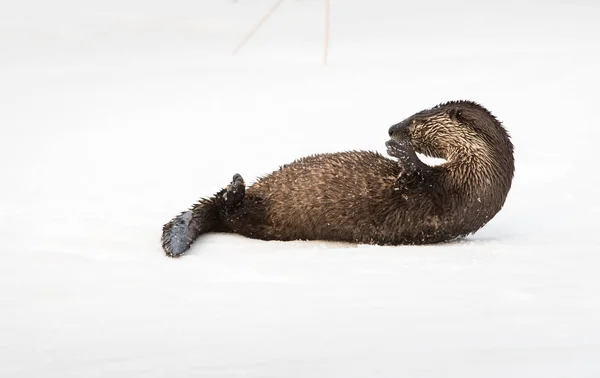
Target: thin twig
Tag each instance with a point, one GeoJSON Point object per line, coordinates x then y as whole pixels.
{"type": "Point", "coordinates": [327, 23]}
{"type": "Point", "coordinates": [258, 26]}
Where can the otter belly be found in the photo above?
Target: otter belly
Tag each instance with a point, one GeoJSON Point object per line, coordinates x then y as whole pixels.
{"type": "Point", "coordinates": [343, 196]}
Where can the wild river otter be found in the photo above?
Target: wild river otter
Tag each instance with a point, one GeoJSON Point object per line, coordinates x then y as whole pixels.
{"type": "Point", "coordinates": [365, 197]}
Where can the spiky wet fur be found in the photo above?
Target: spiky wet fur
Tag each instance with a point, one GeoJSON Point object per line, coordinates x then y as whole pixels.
{"type": "Point", "coordinates": [365, 197]}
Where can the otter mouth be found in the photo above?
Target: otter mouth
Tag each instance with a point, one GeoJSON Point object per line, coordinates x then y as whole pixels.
{"type": "Point", "coordinates": [400, 146]}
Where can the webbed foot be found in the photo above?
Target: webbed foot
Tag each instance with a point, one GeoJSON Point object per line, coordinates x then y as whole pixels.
{"type": "Point", "coordinates": [234, 193]}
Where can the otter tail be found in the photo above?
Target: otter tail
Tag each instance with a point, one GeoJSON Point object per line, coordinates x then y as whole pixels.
{"type": "Point", "coordinates": [180, 232]}
{"type": "Point", "coordinates": [205, 216]}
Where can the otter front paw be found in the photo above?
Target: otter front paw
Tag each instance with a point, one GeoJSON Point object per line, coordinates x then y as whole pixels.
{"type": "Point", "coordinates": [234, 192]}
{"type": "Point", "coordinates": [406, 155]}
{"type": "Point", "coordinates": [402, 150]}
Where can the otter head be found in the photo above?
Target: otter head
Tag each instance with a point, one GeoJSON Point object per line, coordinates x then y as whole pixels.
{"type": "Point", "coordinates": [454, 130]}
{"type": "Point", "coordinates": [478, 172]}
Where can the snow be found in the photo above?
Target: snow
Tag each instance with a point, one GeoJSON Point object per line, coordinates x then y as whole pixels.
{"type": "Point", "coordinates": [117, 115]}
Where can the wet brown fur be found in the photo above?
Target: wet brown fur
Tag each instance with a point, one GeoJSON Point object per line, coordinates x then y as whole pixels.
{"type": "Point", "coordinates": [365, 197]}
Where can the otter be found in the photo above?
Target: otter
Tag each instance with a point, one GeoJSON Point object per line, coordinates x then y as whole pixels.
{"type": "Point", "coordinates": [364, 197]}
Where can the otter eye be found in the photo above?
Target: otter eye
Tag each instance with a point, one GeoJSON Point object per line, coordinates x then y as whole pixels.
{"type": "Point", "coordinates": [455, 114]}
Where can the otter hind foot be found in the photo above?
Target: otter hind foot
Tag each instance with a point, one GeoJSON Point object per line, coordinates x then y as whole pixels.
{"type": "Point", "coordinates": [177, 237]}
{"type": "Point", "coordinates": [234, 192]}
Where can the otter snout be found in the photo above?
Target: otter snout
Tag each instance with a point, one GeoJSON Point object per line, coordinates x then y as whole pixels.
{"type": "Point", "coordinates": [400, 144]}
{"type": "Point", "coordinates": [400, 129]}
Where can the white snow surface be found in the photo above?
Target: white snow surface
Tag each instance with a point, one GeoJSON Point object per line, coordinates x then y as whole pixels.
{"type": "Point", "coordinates": [117, 115]}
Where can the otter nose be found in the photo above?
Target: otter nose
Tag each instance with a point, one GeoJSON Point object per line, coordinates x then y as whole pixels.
{"type": "Point", "coordinates": [399, 127]}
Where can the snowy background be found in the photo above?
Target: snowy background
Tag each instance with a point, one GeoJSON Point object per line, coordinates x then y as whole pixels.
{"type": "Point", "coordinates": [117, 115]}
